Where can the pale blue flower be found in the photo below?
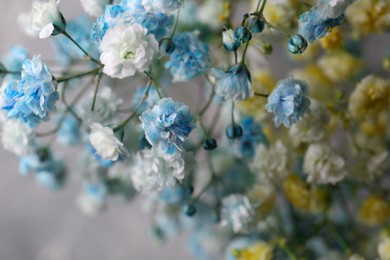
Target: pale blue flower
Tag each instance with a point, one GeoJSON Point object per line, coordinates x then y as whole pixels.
{"type": "Point", "coordinates": [158, 24]}
{"type": "Point", "coordinates": [313, 27]}
{"type": "Point", "coordinates": [149, 102]}
{"type": "Point", "coordinates": [69, 132]}
{"type": "Point", "coordinates": [332, 9]}
{"type": "Point", "coordinates": [80, 30]}
{"type": "Point", "coordinates": [233, 84]}
{"type": "Point", "coordinates": [245, 146]}
{"type": "Point", "coordinates": [288, 101]}
{"type": "Point", "coordinates": [34, 97]}
{"type": "Point", "coordinates": [14, 59]}
{"type": "Point", "coordinates": [167, 125]}
{"type": "Point", "coordinates": [190, 58]}
{"type": "Point", "coordinates": [164, 6]}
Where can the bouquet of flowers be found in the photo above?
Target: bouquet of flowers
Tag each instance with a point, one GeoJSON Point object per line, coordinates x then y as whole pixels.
{"type": "Point", "coordinates": [278, 149]}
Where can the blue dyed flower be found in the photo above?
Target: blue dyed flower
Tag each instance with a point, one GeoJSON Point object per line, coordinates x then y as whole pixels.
{"type": "Point", "coordinates": [233, 84]}
{"type": "Point", "coordinates": [113, 16]}
{"type": "Point", "coordinates": [149, 102]}
{"type": "Point", "coordinates": [79, 29]}
{"type": "Point", "coordinates": [49, 172]}
{"type": "Point", "coordinates": [190, 58]}
{"type": "Point", "coordinates": [69, 132]}
{"type": "Point", "coordinates": [158, 24]}
{"type": "Point", "coordinates": [252, 136]}
{"type": "Point", "coordinates": [167, 125]}
{"type": "Point", "coordinates": [164, 6]}
{"type": "Point", "coordinates": [13, 61]}
{"type": "Point", "coordinates": [34, 97]}
{"type": "Point", "coordinates": [288, 101]}
{"type": "Point", "coordinates": [313, 27]}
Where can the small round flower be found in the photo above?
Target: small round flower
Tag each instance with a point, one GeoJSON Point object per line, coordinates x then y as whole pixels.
{"type": "Point", "coordinates": [190, 58]}
{"type": "Point", "coordinates": [127, 49]}
{"type": "Point", "coordinates": [105, 142]}
{"type": "Point", "coordinates": [323, 165]}
{"type": "Point", "coordinates": [374, 211]}
{"type": "Point", "coordinates": [94, 7]}
{"type": "Point", "coordinates": [297, 44]}
{"type": "Point", "coordinates": [233, 84]}
{"type": "Point", "coordinates": [164, 6]}
{"type": "Point", "coordinates": [209, 144]}
{"type": "Point", "coordinates": [189, 210]}
{"type": "Point", "coordinates": [167, 125]}
{"type": "Point", "coordinates": [34, 97]}
{"type": "Point", "coordinates": [243, 34]}
{"type": "Point", "coordinates": [234, 131]}
{"type": "Point", "coordinates": [16, 137]}
{"type": "Point", "coordinates": [257, 24]}
{"type": "Point", "coordinates": [93, 199]}
{"type": "Point", "coordinates": [237, 212]}
{"type": "Point", "coordinates": [47, 19]}
{"type": "Point", "coordinates": [167, 46]}
{"type": "Point", "coordinates": [288, 101]}
{"type": "Point", "coordinates": [230, 40]}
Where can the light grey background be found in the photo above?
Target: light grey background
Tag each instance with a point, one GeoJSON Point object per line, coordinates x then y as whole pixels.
{"type": "Point", "coordinates": [36, 224]}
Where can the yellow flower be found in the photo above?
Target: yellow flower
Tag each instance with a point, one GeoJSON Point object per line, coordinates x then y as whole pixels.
{"type": "Point", "coordinates": [334, 40]}
{"type": "Point", "coordinates": [370, 97]}
{"type": "Point", "coordinates": [263, 82]}
{"type": "Point", "coordinates": [374, 211]}
{"type": "Point", "coordinates": [259, 251]}
{"type": "Point", "coordinates": [265, 196]}
{"type": "Point", "coordinates": [340, 66]}
{"type": "Point", "coordinates": [369, 16]}
{"type": "Point", "coordinates": [384, 249]}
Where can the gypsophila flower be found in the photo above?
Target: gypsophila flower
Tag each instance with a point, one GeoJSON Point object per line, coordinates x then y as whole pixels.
{"type": "Point", "coordinates": [271, 162]}
{"type": "Point", "coordinates": [313, 27]}
{"type": "Point", "coordinates": [16, 137]}
{"type": "Point", "coordinates": [94, 7]}
{"type": "Point", "coordinates": [233, 84]}
{"type": "Point", "coordinates": [230, 40]}
{"type": "Point", "coordinates": [154, 170]}
{"type": "Point", "coordinates": [164, 6]}
{"type": "Point", "coordinates": [34, 97]}
{"type": "Point", "coordinates": [288, 101]}
{"type": "Point", "coordinates": [127, 49]}
{"type": "Point", "coordinates": [47, 19]}
{"type": "Point", "coordinates": [190, 58]}
{"type": "Point", "coordinates": [69, 132]}
{"type": "Point", "coordinates": [332, 8]}
{"type": "Point", "coordinates": [105, 142]}
{"type": "Point", "coordinates": [167, 125]}
{"type": "Point", "coordinates": [14, 59]}
{"type": "Point", "coordinates": [322, 165]}
{"type": "Point", "coordinates": [237, 212]}
{"type": "Point", "coordinates": [384, 249]}
{"type": "Point", "coordinates": [93, 199]}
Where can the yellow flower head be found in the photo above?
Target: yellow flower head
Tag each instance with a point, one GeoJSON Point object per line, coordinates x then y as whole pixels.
{"type": "Point", "coordinates": [374, 211]}
{"type": "Point", "coordinates": [259, 251]}
{"type": "Point", "coordinates": [369, 16]}
{"type": "Point", "coordinates": [334, 40]}
{"type": "Point", "coordinates": [370, 97]}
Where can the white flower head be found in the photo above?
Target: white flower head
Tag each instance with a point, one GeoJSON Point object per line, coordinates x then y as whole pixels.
{"type": "Point", "coordinates": [238, 212]}
{"type": "Point", "coordinates": [271, 163]}
{"type": "Point", "coordinates": [47, 19]}
{"type": "Point", "coordinates": [127, 49]}
{"type": "Point", "coordinates": [332, 8]}
{"type": "Point", "coordinates": [16, 137]}
{"type": "Point", "coordinates": [323, 165]}
{"type": "Point", "coordinates": [105, 142]}
{"type": "Point", "coordinates": [154, 170]}
{"type": "Point", "coordinates": [94, 8]}
{"type": "Point", "coordinates": [163, 6]}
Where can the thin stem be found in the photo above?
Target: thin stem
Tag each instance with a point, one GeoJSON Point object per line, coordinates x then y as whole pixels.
{"type": "Point", "coordinates": [261, 95]}
{"type": "Point", "coordinates": [135, 112]}
{"type": "Point", "coordinates": [65, 33]}
{"type": "Point", "coordinates": [78, 75]}
{"type": "Point", "coordinates": [210, 100]}
{"type": "Point", "coordinates": [263, 2]}
{"type": "Point", "coordinates": [278, 30]}
{"type": "Point", "coordinates": [176, 22]}
{"type": "Point", "coordinates": [338, 238]}
{"type": "Point", "coordinates": [232, 113]}
{"type": "Point", "coordinates": [288, 252]}
{"type": "Point", "coordinates": [235, 57]}
{"type": "Point", "coordinates": [96, 90]}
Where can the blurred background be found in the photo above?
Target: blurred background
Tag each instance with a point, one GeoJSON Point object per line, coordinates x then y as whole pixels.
{"type": "Point", "coordinates": [37, 224]}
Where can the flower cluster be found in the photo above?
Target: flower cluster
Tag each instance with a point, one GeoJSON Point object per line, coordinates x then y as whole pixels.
{"type": "Point", "coordinates": [181, 103]}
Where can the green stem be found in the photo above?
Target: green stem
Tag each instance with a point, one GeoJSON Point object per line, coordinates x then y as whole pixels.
{"type": "Point", "coordinates": [209, 101]}
{"type": "Point", "coordinates": [65, 33]}
{"type": "Point", "coordinates": [176, 23]}
{"type": "Point", "coordinates": [232, 113]}
{"type": "Point", "coordinates": [135, 112]}
{"type": "Point", "coordinates": [278, 29]}
{"type": "Point", "coordinates": [78, 75]}
{"type": "Point", "coordinates": [96, 91]}
{"type": "Point", "coordinates": [261, 95]}
{"type": "Point", "coordinates": [338, 238]}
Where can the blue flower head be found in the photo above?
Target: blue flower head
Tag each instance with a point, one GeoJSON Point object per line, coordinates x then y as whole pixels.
{"type": "Point", "coordinates": [313, 27]}
{"type": "Point", "coordinates": [79, 29]}
{"type": "Point", "coordinates": [251, 137]}
{"type": "Point", "coordinates": [190, 58]}
{"type": "Point", "coordinates": [69, 132]}
{"type": "Point", "coordinates": [34, 97]}
{"type": "Point", "coordinates": [234, 84]}
{"type": "Point", "coordinates": [14, 59]}
{"type": "Point", "coordinates": [150, 101]}
{"type": "Point", "coordinates": [158, 24]}
{"type": "Point", "coordinates": [288, 101]}
{"type": "Point", "coordinates": [49, 172]}
{"type": "Point", "coordinates": [167, 125]}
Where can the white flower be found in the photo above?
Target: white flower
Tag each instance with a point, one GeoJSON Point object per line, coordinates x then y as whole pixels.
{"type": "Point", "coordinates": [208, 11]}
{"type": "Point", "coordinates": [127, 49]}
{"type": "Point", "coordinates": [105, 143]}
{"type": "Point", "coordinates": [323, 165]}
{"type": "Point", "coordinates": [384, 249]}
{"type": "Point", "coordinates": [46, 18]}
{"type": "Point", "coordinates": [370, 164]}
{"type": "Point", "coordinates": [24, 21]}
{"type": "Point", "coordinates": [94, 8]}
{"type": "Point", "coordinates": [312, 127]}
{"type": "Point", "coordinates": [237, 212]}
{"type": "Point", "coordinates": [153, 170]}
{"type": "Point", "coordinates": [16, 136]}
{"type": "Point", "coordinates": [163, 6]}
{"type": "Point", "coordinates": [271, 162]}
{"type": "Point", "coordinates": [332, 8]}
{"type": "Point", "coordinates": [106, 107]}
{"type": "Point", "coordinates": [92, 200]}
